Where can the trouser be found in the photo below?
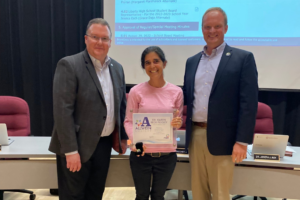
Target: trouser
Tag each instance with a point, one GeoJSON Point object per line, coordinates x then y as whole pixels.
{"type": "Point", "coordinates": [89, 182]}
{"type": "Point", "coordinates": [161, 168]}
{"type": "Point", "coordinates": [211, 175]}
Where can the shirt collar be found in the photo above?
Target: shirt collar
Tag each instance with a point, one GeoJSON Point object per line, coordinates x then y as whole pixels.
{"type": "Point", "coordinates": [98, 64]}
{"type": "Point", "coordinates": [215, 51]}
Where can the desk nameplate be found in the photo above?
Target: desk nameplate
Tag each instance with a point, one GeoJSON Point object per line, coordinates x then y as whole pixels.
{"type": "Point", "coordinates": [266, 157]}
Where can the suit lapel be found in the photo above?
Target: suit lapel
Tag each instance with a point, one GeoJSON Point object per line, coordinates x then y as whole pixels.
{"type": "Point", "coordinates": [223, 63]}
{"type": "Point", "coordinates": [115, 81]}
{"type": "Point", "coordinates": [114, 78]}
{"type": "Point", "coordinates": [194, 68]}
{"type": "Point", "coordinates": [92, 71]}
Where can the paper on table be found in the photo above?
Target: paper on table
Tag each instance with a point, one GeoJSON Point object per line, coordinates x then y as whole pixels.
{"type": "Point", "coordinates": [250, 146]}
{"type": "Point", "coordinates": [290, 149]}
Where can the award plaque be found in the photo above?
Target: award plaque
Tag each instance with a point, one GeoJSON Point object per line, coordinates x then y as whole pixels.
{"type": "Point", "coordinates": [152, 128]}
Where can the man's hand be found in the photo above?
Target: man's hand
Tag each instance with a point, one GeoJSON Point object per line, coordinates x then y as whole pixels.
{"type": "Point", "coordinates": [239, 152]}
{"type": "Point", "coordinates": [73, 162]}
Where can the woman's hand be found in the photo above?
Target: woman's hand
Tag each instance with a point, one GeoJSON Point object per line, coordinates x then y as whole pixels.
{"type": "Point", "coordinates": [134, 150]}
{"type": "Point", "coordinates": [176, 122]}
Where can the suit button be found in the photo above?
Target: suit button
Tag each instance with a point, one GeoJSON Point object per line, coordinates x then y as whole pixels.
{"type": "Point", "coordinates": [104, 117]}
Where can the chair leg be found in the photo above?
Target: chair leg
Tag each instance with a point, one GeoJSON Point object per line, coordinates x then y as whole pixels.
{"type": "Point", "coordinates": [31, 197]}
{"type": "Point", "coordinates": [55, 192]}
{"type": "Point", "coordinates": [255, 198]}
{"type": "Point", "coordinates": [1, 194]}
{"type": "Point", "coordinates": [185, 194]}
{"type": "Point", "coordinates": [180, 194]}
{"type": "Point", "coordinates": [237, 197]}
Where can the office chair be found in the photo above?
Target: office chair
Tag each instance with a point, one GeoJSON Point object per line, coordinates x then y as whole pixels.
{"type": "Point", "coordinates": [263, 125]}
{"type": "Point", "coordinates": [14, 112]}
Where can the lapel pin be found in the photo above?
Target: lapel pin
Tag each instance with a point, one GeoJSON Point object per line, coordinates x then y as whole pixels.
{"type": "Point", "coordinates": [111, 65]}
{"type": "Point", "coordinates": [228, 54]}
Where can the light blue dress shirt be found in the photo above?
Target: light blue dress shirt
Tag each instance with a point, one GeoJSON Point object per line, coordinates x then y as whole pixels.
{"type": "Point", "coordinates": [204, 79]}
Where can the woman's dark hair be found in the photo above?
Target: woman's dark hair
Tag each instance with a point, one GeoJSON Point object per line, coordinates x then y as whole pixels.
{"type": "Point", "coordinates": [150, 49]}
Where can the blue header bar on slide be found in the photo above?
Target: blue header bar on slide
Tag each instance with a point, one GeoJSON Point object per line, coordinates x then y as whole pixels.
{"type": "Point", "coordinates": [158, 26]}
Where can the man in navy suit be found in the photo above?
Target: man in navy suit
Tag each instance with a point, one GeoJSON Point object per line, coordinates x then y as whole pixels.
{"type": "Point", "coordinates": [220, 91]}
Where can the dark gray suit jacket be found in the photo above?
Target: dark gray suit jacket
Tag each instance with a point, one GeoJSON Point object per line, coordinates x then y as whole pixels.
{"type": "Point", "coordinates": [79, 105]}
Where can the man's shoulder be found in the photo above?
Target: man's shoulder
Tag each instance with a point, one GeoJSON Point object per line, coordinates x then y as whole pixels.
{"type": "Point", "coordinates": [239, 51]}
{"type": "Point", "coordinates": [196, 56]}
{"type": "Point", "coordinates": [116, 65]}
{"type": "Point", "coordinates": [73, 58]}
{"type": "Point", "coordinates": [114, 62]}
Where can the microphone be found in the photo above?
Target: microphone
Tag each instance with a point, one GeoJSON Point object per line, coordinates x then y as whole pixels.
{"type": "Point", "coordinates": [139, 148]}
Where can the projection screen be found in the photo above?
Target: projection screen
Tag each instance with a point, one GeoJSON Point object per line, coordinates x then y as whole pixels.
{"type": "Point", "coordinates": [268, 28]}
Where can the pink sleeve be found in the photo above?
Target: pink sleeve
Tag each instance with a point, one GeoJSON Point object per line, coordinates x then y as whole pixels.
{"type": "Point", "coordinates": [132, 107]}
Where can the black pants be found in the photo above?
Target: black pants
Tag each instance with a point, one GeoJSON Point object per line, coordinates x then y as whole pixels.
{"type": "Point", "coordinates": [160, 168]}
{"type": "Point", "coordinates": [89, 182]}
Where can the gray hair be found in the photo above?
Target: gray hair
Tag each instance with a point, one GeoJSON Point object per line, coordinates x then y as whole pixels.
{"type": "Point", "coordinates": [216, 9]}
{"type": "Point", "coordinates": [98, 21]}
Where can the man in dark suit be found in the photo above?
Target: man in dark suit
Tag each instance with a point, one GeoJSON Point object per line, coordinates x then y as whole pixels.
{"type": "Point", "coordinates": [221, 92]}
{"type": "Point", "coordinates": [89, 108]}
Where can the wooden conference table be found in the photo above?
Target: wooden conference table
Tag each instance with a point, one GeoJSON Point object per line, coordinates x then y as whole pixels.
{"type": "Point", "coordinates": [34, 167]}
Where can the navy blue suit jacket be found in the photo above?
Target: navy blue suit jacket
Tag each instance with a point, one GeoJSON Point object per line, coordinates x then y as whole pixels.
{"type": "Point", "coordinates": [232, 103]}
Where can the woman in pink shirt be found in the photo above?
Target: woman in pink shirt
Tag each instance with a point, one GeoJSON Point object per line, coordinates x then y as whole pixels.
{"type": "Point", "coordinates": [153, 96]}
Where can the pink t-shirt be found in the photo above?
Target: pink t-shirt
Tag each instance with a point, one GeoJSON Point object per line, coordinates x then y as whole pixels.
{"type": "Point", "coordinates": [143, 98]}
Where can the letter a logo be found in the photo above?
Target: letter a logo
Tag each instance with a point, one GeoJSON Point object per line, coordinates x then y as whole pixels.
{"type": "Point", "coordinates": [145, 122]}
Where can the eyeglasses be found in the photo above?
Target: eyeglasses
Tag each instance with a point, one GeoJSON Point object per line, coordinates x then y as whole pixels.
{"type": "Point", "coordinates": [96, 38]}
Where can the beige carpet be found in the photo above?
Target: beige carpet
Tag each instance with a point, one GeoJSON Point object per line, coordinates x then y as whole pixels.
{"type": "Point", "coordinates": [125, 193]}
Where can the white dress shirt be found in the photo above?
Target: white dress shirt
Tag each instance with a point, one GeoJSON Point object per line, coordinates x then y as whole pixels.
{"type": "Point", "coordinates": [108, 92]}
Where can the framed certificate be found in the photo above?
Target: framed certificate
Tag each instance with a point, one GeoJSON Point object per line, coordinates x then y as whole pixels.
{"type": "Point", "coordinates": [152, 128]}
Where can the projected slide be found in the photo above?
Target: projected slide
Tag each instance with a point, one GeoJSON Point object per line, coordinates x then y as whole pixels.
{"type": "Point", "coordinates": [178, 22]}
